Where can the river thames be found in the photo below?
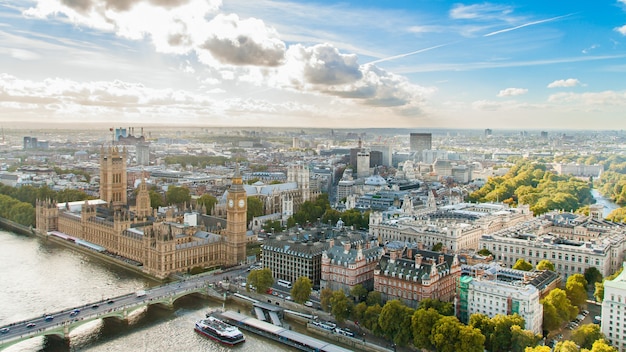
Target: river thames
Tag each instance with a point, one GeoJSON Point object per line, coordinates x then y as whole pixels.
{"type": "Point", "coordinates": [40, 277]}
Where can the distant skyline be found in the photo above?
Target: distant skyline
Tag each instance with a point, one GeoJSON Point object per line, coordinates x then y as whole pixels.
{"type": "Point", "coordinates": [331, 64]}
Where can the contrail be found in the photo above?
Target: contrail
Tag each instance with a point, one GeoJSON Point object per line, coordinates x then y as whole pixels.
{"type": "Point", "coordinates": [526, 25]}
{"type": "Point", "coordinates": [406, 54]}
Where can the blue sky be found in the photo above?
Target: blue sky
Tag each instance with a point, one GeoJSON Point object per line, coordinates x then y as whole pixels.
{"type": "Point", "coordinates": [415, 64]}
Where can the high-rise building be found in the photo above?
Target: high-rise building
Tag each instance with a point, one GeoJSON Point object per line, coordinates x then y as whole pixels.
{"type": "Point", "coordinates": [386, 151]}
{"type": "Point", "coordinates": [419, 142]}
{"type": "Point", "coordinates": [143, 154]}
{"type": "Point", "coordinates": [362, 164]}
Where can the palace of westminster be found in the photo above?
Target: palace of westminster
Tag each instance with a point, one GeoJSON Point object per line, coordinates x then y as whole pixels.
{"type": "Point", "coordinates": [162, 244]}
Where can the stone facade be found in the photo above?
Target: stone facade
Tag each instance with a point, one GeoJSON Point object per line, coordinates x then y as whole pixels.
{"type": "Point", "coordinates": [411, 275]}
{"type": "Point", "coordinates": [345, 266]}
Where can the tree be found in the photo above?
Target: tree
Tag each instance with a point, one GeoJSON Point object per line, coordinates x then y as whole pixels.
{"type": "Point", "coordinates": [576, 289]}
{"type": "Point", "coordinates": [261, 279]}
{"type": "Point", "coordinates": [422, 324]}
{"type": "Point", "coordinates": [520, 339]}
{"type": "Point", "coordinates": [445, 334]}
{"type": "Point", "coordinates": [521, 264]}
{"type": "Point", "coordinates": [358, 292]}
{"type": "Point", "coordinates": [370, 320]}
{"type": "Point", "coordinates": [391, 318]}
{"type": "Point", "coordinates": [23, 213]}
{"type": "Point", "coordinates": [545, 265]}
{"type": "Point", "coordinates": [538, 349]}
{"type": "Point", "coordinates": [272, 226]}
{"type": "Point", "coordinates": [586, 335]}
{"type": "Point", "coordinates": [340, 306]}
{"type": "Point", "coordinates": [599, 293]}
{"type": "Point", "coordinates": [557, 309]}
{"type": "Point", "coordinates": [255, 208]}
{"type": "Point", "coordinates": [566, 346]}
{"type": "Point", "coordinates": [437, 247]}
{"type": "Point", "coordinates": [483, 323]}
{"type": "Point", "coordinates": [156, 199]}
{"type": "Point", "coordinates": [374, 298]}
{"type": "Point", "coordinates": [502, 338]}
{"type": "Point", "coordinates": [176, 195]}
{"type": "Point", "coordinates": [470, 339]}
{"type": "Point", "coordinates": [602, 346]}
{"type": "Point", "coordinates": [208, 202]}
{"type": "Point", "coordinates": [485, 252]}
{"type": "Point", "coordinates": [358, 313]}
{"type": "Point", "coordinates": [592, 275]}
{"type": "Point", "coordinates": [444, 308]}
{"type": "Point", "coordinates": [301, 289]}
{"type": "Point", "coordinates": [325, 296]}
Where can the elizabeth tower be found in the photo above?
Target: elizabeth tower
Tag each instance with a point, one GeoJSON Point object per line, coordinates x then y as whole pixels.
{"type": "Point", "coordinates": [236, 225]}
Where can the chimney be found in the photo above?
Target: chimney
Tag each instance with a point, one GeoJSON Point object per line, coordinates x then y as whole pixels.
{"type": "Point", "coordinates": [420, 246]}
{"type": "Point", "coordinates": [409, 253]}
{"type": "Point", "coordinates": [418, 261]}
{"type": "Point", "coordinates": [346, 246]}
{"type": "Point", "coordinates": [444, 249]}
{"type": "Point", "coordinates": [440, 259]}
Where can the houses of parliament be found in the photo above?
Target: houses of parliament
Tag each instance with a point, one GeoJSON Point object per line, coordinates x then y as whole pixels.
{"type": "Point", "coordinates": [160, 245]}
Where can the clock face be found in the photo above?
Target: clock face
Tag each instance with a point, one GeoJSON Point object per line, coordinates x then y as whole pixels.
{"type": "Point", "coordinates": [231, 203]}
{"type": "Point", "coordinates": [242, 203]}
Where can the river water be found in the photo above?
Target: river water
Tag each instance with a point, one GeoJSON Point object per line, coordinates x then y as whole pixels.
{"type": "Point", "coordinates": [40, 277]}
{"type": "Point", "coordinates": [609, 206]}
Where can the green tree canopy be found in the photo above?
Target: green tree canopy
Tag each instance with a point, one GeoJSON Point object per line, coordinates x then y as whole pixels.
{"type": "Point", "coordinates": [422, 323]}
{"type": "Point", "coordinates": [592, 275]}
{"type": "Point", "coordinates": [261, 279]}
{"type": "Point", "coordinates": [445, 334]}
{"type": "Point", "coordinates": [325, 296]}
{"type": "Point", "coordinates": [502, 338]}
{"type": "Point", "coordinates": [374, 298]}
{"type": "Point", "coordinates": [521, 264]}
{"type": "Point", "coordinates": [208, 202]}
{"type": "Point", "coordinates": [255, 208]}
{"type": "Point", "coordinates": [156, 199]}
{"type": "Point", "coordinates": [301, 289]}
{"type": "Point", "coordinates": [484, 324]}
{"type": "Point", "coordinates": [340, 306]}
{"type": "Point", "coordinates": [444, 308]}
{"type": "Point", "coordinates": [521, 339]}
{"type": "Point", "coordinates": [599, 292]}
{"type": "Point", "coordinates": [576, 290]}
{"type": "Point", "coordinates": [585, 335]}
{"type": "Point", "coordinates": [358, 292]}
{"type": "Point", "coordinates": [545, 264]}
{"type": "Point", "coordinates": [394, 322]}
{"type": "Point", "coordinates": [557, 309]}
{"type": "Point", "coordinates": [370, 320]}
{"type": "Point", "coordinates": [177, 195]}
{"type": "Point", "coordinates": [485, 252]}
{"type": "Point", "coordinates": [566, 346]}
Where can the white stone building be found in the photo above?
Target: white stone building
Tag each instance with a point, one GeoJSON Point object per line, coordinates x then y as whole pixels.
{"type": "Point", "coordinates": [613, 324]}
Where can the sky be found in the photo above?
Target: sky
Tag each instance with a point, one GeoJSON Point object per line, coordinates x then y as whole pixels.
{"type": "Point", "coordinates": [337, 64]}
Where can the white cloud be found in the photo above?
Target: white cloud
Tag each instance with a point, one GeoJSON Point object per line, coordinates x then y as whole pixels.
{"type": "Point", "coordinates": [597, 99]}
{"type": "Point", "coordinates": [562, 83]}
{"type": "Point", "coordinates": [511, 92]}
{"type": "Point", "coordinates": [621, 30]}
{"type": "Point", "coordinates": [483, 11]}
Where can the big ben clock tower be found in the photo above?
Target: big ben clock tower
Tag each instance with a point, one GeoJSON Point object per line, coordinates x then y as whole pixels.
{"type": "Point", "coordinates": [236, 225]}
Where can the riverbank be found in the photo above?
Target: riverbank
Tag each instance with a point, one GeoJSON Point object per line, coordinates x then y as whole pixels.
{"type": "Point", "coordinates": [29, 231]}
